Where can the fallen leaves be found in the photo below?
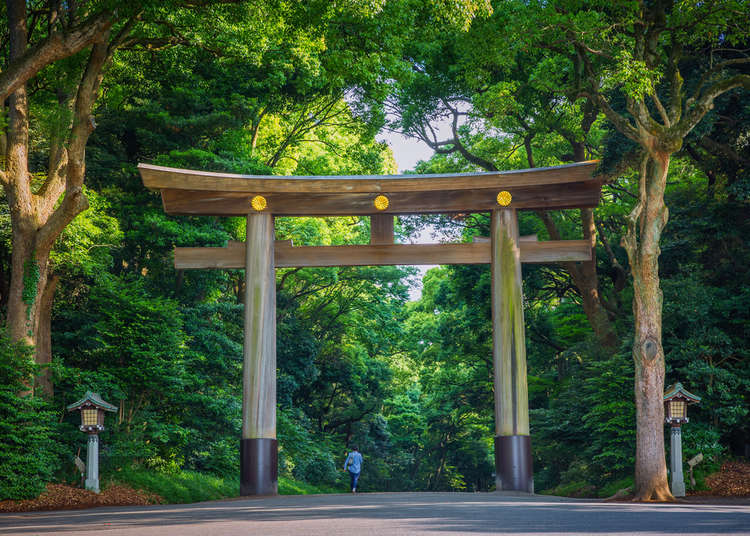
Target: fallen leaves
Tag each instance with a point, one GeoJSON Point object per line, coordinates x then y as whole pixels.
{"type": "Point", "coordinates": [733, 480]}
{"type": "Point", "coordinates": [62, 497]}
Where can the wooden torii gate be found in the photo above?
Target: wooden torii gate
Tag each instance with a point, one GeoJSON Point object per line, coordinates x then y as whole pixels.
{"type": "Point", "coordinates": [260, 198]}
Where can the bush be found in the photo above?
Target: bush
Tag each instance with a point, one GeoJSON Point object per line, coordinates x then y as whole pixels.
{"type": "Point", "coordinates": [699, 438]}
{"type": "Point", "coordinates": [30, 455]}
{"type": "Point", "coordinates": [319, 469]}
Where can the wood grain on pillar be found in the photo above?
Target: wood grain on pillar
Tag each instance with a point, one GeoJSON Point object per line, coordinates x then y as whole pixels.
{"type": "Point", "coordinates": [509, 344]}
{"type": "Point", "coordinates": [259, 366]}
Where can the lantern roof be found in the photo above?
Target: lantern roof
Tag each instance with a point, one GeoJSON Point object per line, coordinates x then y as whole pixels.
{"type": "Point", "coordinates": [676, 390]}
{"type": "Point", "coordinates": [92, 399]}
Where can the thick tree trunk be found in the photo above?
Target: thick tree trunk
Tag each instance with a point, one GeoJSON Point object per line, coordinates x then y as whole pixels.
{"type": "Point", "coordinates": [18, 189]}
{"type": "Point", "coordinates": [38, 216]}
{"type": "Point", "coordinates": [28, 276]}
{"type": "Point", "coordinates": [645, 225]}
{"type": "Point", "coordinates": [43, 337]}
{"type": "Point", "coordinates": [29, 262]}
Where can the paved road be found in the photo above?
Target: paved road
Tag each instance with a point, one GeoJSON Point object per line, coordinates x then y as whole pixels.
{"type": "Point", "coordinates": [442, 514]}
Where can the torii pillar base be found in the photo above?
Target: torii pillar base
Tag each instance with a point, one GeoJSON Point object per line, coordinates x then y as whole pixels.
{"type": "Point", "coordinates": [259, 467]}
{"type": "Point", "coordinates": [513, 467]}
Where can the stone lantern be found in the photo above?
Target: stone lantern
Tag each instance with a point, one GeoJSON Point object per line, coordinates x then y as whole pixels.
{"type": "Point", "coordinates": [92, 409]}
{"type": "Point", "coordinates": [676, 400]}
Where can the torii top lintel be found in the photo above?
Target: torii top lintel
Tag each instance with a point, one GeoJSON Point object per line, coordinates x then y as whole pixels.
{"type": "Point", "coordinates": [192, 192]}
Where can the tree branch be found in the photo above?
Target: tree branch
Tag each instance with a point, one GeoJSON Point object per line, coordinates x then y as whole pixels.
{"type": "Point", "coordinates": [662, 111]}
{"type": "Point", "coordinates": [715, 69]}
{"type": "Point", "coordinates": [619, 282]}
{"type": "Point", "coordinates": [675, 84]}
{"type": "Point", "coordinates": [56, 46]}
{"type": "Point", "coordinates": [75, 200]}
{"type": "Point", "coordinates": [700, 107]}
{"type": "Point", "coordinates": [622, 124]}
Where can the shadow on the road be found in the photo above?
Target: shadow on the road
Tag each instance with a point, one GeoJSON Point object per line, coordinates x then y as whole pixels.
{"type": "Point", "coordinates": [436, 512]}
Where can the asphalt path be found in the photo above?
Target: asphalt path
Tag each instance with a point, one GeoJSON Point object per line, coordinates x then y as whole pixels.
{"type": "Point", "coordinates": [442, 514]}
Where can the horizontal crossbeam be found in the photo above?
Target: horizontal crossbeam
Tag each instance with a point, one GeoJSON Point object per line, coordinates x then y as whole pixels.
{"type": "Point", "coordinates": [548, 197]}
{"type": "Point", "coordinates": [288, 256]}
{"type": "Point", "coordinates": [205, 193]}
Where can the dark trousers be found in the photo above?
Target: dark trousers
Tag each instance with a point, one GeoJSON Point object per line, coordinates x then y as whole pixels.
{"type": "Point", "coordinates": [355, 477]}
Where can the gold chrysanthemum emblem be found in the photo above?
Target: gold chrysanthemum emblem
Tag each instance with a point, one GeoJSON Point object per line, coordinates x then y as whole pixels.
{"type": "Point", "coordinates": [504, 198]}
{"type": "Point", "coordinates": [381, 202]}
{"type": "Point", "coordinates": [258, 202]}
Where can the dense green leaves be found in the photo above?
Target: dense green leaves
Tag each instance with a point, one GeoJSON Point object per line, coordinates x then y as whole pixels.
{"type": "Point", "coordinates": [28, 431]}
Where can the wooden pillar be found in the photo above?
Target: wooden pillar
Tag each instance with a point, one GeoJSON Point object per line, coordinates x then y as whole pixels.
{"type": "Point", "coordinates": [258, 447]}
{"type": "Point", "coordinates": [512, 442]}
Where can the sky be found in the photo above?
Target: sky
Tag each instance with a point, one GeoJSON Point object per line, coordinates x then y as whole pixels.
{"type": "Point", "coordinates": [406, 151]}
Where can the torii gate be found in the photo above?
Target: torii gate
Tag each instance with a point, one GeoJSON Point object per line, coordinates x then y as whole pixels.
{"type": "Point", "coordinates": [260, 198]}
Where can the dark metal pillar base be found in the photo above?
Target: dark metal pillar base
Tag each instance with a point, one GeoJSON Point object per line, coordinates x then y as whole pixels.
{"type": "Point", "coordinates": [513, 463]}
{"type": "Point", "coordinates": [259, 467]}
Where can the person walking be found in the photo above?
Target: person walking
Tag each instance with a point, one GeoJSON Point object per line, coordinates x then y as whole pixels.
{"type": "Point", "coordinates": [353, 464]}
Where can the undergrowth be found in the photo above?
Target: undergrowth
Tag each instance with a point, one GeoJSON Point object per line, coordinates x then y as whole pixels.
{"type": "Point", "coordinates": [191, 486]}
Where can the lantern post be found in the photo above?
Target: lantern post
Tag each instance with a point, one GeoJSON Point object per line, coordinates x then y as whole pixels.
{"type": "Point", "coordinates": [92, 409]}
{"type": "Point", "coordinates": [676, 400]}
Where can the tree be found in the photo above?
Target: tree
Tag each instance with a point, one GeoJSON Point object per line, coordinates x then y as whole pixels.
{"type": "Point", "coordinates": [502, 114]}
{"type": "Point", "coordinates": [629, 58]}
{"type": "Point", "coordinates": [36, 216]}
{"type": "Point", "coordinates": [57, 56]}
{"type": "Point", "coordinates": [63, 49]}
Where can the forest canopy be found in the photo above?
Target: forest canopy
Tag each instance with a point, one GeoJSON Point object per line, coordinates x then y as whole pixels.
{"type": "Point", "coordinates": [657, 92]}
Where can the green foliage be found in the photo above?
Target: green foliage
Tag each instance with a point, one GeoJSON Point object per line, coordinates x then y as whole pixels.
{"type": "Point", "coordinates": [28, 432]}
{"type": "Point", "coordinates": [637, 79]}
{"type": "Point", "coordinates": [129, 348]}
{"type": "Point", "coordinates": [288, 486]}
{"type": "Point", "coordinates": [577, 488]}
{"type": "Point", "coordinates": [705, 261]}
{"type": "Point", "coordinates": [179, 486]}
{"type": "Point", "coordinates": [700, 438]}
{"type": "Point", "coordinates": [304, 455]}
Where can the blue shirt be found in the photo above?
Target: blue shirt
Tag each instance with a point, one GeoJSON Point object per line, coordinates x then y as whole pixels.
{"type": "Point", "coordinates": [356, 462]}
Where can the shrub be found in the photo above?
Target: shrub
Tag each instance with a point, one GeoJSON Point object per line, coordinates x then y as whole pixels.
{"type": "Point", "coordinates": [30, 455]}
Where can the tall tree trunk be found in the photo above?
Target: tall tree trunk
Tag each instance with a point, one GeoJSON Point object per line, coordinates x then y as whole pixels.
{"type": "Point", "coordinates": [43, 337]}
{"type": "Point", "coordinates": [28, 266]}
{"type": "Point", "coordinates": [39, 216]}
{"type": "Point", "coordinates": [641, 241]}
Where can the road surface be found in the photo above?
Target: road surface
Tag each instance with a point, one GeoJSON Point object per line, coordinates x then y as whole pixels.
{"type": "Point", "coordinates": [443, 514]}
